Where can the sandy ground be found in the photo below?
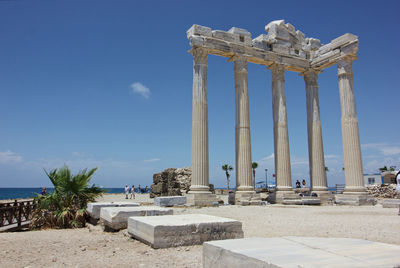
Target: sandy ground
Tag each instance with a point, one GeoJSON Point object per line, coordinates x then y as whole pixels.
{"type": "Point", "coordinates": [91, 247]}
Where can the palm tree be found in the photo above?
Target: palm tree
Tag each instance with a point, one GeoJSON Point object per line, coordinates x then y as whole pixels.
{"type": "Point", "coordinates": [227, 168]}
{"type": "Point", "coordinates": [254, 165]}
{"type": "Point", "coordinates": [326, 169]}
{"type": "Point", "coordinates": [66, 206]}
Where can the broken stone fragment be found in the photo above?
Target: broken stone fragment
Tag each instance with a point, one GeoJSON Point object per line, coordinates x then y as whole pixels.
{"type": "Point", "coordinates": [198, 30]}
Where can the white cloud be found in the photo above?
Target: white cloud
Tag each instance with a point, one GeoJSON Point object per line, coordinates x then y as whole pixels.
{"type": "Point", "coordinates": [141, 89]}
{"type": "Point", "coordinates": [9, 157]}
{"type": "Point", "coordinates": [270, 157]}
{"type": "Point", "coordinates": [384, 148]}
{"type": "Point", "coordinates": [152, 160]}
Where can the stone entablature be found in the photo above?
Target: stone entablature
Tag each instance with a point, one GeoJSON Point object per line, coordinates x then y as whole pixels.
{"type": "Point", "coordinates": [281, 45]}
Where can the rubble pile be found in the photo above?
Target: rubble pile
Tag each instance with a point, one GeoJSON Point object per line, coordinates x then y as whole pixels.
{"type": "Point", "coordinates": [172, 182]}
{"type": "Point", "coordinates": [384, 191]}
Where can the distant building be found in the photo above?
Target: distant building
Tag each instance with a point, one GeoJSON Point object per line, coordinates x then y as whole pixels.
{"type": "Point", "coordinates": [373, 179]}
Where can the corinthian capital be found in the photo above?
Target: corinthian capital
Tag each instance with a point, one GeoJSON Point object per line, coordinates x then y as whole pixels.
{"type": "Point", "coordinates": [240, 63]}
{"type": "Point", "coordinates": [345, 66]}
{"type": "Point", "coordinates": [311, 76]}
{"type": "Point", "coordinates": [199, 55]}
{"type": "Point", "coordinates": [278, 71]}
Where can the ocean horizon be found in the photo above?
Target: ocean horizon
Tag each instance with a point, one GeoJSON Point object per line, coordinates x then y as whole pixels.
{"type": "Point", "coordinates": [7, 193]}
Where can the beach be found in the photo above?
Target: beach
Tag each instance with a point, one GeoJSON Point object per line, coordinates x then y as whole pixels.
{"type": "Point", "coordinates": [91, 247]}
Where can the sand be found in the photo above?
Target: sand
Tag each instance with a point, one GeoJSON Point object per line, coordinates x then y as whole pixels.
{"type": "Point", "coordinates": [90, 247]}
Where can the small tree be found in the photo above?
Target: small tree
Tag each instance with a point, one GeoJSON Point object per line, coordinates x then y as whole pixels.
{"type": "Point", "coordinates": [326, 169]}
{"type": "Point", "coordinates": [227, 168]}
{"type": "Point", "coordinates": [382, 169]}
{"type": "Point", "coordinates": [254, 165]}
{"type": "Point", "coordinates": [66, 206]}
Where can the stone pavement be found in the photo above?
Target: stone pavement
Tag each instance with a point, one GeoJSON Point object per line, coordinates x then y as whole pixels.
{"type": "Point", "coordinates": [299, 252]}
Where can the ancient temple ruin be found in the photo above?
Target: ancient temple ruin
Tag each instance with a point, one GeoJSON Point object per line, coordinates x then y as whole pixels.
{"type": "Point", "coordinates": [282, 48]}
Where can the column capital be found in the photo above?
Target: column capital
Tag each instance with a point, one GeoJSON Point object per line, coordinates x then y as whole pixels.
{"type": "Point", "coordinates": [199, 55]}
{"type": "Point", "coordinates": [241, 63]}
{"type": "Point", "coordinates": [278, 71]}
{"type": "Point", "coordinates": [345, 65]}
{"type": "Point", "coordinates": [310, 76]}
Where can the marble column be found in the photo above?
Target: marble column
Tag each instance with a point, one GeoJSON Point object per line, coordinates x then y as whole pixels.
{"type": "Point", "coordinates": [315, 146]}
{"type": "Point", "coordinates": [351, 140]}
{"type": "Point", "coordinates": [281, 136]}
{"type": "Point", "coordinates": [200, 174]}
{"type": "Point", "coordinates": [244, 178]}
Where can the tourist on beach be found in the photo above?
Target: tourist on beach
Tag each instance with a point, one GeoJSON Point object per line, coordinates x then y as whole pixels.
{"type": "Point", "coordinates": [133, 192]}
{"type": "Point", "coordinates": [126, 191]}
{"type": "Point", "coordinates": [146, 189]}
{"type": "Point", "coordinates": [44, 191]}
{"type": "Point", "coordinates": [139, 189]}
{"type": "Point", "coordinates": [298, 184]}
{"type": "Point", "coordinates": [304, 183]}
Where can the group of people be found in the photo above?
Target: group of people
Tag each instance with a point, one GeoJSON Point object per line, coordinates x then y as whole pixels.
{"type": "Point", "coordinates": [298, 184]}
{"type": "Point", "coordinates": [130, 191]}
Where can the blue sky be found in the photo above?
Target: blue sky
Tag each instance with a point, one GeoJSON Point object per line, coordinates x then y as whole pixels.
{"type": "Point", "coordinates": [108, 84]}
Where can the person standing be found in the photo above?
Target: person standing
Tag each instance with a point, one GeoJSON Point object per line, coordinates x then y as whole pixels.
{"type": "Point", "coordinates": [298, 184]}
{"type": "Point", "coordinates": [126, 191]}
{"type": "Point", "coordinates": [133, 192]}
{"type": "Point", "coordinates": [139, 189]}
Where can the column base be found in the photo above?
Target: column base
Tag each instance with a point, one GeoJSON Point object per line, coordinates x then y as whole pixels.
{"type": "Point", "coordinates": [247, 198]}
{"type": "Point", "coordinates": [280, 195]}
{"type": "Point", "coordinates": [326, 197]}
{"type": "Point", "coordinates": [202, 199]}
{"type": "Point", "coordinates": [354, 199]}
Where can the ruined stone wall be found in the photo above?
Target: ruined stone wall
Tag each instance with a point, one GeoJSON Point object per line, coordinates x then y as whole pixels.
{"type": "Point", "coordinates": [172, 182]}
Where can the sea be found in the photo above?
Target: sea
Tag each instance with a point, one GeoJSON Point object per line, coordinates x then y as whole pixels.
{"type": "Point", "coordinates": [22, 193]}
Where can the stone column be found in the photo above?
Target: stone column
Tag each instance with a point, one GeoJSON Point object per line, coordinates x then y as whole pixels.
{"type": "Point", "coordinates": [281, 136]}
{"type": "Point", "coordinates": [315, 146]}
{"type": "Point", "coordinates": [244, 178]}
{"type": "Point", "coordinates": [351, 140]}
{"type": "Point", "coordinates": [200, 180]}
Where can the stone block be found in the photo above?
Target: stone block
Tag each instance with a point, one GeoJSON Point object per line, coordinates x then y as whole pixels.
{"type": "Point", "coordinates": [94, 208]}
{"type": "Point", "coordinates": [201, 199]}
{"type": "Point", "coordinates": [198, 30]}
{"type": "Point", "coordinates": [183, 230]}
{"type": "Point", "coordinates": [196, 41]}
{"type": "Point", "coordinates": [343, 39]}
{"type": "Point", "coordinates": [354, 200]}
{"type": "Point", "coordinates": [169, 201]}
{"type": "Point", "coordinates": [280, 49]}
{"type": "Point", "coordinates": [116, 218]}
{"type": "Point", "coordinates": [258, 252]}
{"type": "Point", "coordinates": [391, 203]}
{"type": "Point", "coordinates": [242, 36]}
{"type": "Point", "coordinates": [223, 35]}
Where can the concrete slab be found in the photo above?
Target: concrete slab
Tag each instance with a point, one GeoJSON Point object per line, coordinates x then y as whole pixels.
{"type": "Point", "coordinates": [391, 203]}
{"type": "Point", "coordinates": [299, 252]}
{"type": "Point", "coordinates": [169, 201]}
{"type": "Point", "coordinates": [183, 230]}
{"type": "Point", "coordinates": [116, 218]}
{"type": "Point", "coordinates": [94, 208]}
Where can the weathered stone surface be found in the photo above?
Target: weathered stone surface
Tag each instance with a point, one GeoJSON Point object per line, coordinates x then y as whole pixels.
{"type": "Point", "coordinates": [116, 218]}
{"type": "Point", "coordinates": [172, 182]}
{"type": "Point", "coordinates": [354, 200]}
{"type": "Point", "coordinates": [383, 191]}
{"type": "Point", "coordinates": [198, 30]}
{"type": "Point", "coordinates": [169, 201]}
{"type": "Point", "coordinates": [299, 252]}
{"type": "Point", "coordinates": [302, 201]}
{"type": "Point", "coordinates": [183, 230]}
{"type": "Point", "coordinates": [391, 203]}
{"type": "Point", "coordinates": [201, 199]}
{"type": "Point", "coordinates": [94, 208]}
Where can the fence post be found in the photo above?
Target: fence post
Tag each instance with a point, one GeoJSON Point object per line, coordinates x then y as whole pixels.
{"type": "Point", "coordinates": [20, 207]}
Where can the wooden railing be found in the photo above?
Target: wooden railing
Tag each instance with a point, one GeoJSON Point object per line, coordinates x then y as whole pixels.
{"type": "Point", "coordinates": [16, 214]}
